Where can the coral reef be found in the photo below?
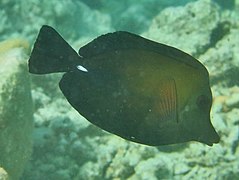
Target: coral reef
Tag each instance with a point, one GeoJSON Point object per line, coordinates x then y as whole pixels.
{"type": "Point", "coordinates": [73, 18]}
{"type": "Point", "coordinates": [187, 28]}
{"type": "Point", "coordinates": [130, 16]}
{"type": "Point", "coordinates": [78, 18]}
{"type": "Point", "coordinates": [16, 113]}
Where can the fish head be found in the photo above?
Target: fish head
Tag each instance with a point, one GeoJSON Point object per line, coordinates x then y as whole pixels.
{"type": "Point", "coordinates": [195, 118]}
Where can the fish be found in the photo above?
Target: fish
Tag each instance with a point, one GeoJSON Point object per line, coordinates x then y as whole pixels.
{"type": "Point", "coordinates": [140, 90]}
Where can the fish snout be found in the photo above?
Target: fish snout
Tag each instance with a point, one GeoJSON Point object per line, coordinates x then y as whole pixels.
{"type": "Point", "coordinates": [209, 136]}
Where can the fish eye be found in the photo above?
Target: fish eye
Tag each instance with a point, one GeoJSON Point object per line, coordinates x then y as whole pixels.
{"type": "Point", "coordinates": [203, 102]}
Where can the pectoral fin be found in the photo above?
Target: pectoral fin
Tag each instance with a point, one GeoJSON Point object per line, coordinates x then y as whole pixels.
{"type": "Point", "coordinates": [167, 102]}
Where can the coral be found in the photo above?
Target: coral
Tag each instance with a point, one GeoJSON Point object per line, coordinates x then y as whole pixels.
{"type": "Point", "coordinates": [135, 17]}
{"type": "Point", "coordinates": [3, 174]}
{"type": "Point", "coordinates": [16, 113]}
{"type": "Point", "coordinates": [72, 18]}
{"type": "Point", "coordinates": [187, 28]}
{"type": "Point", "coordinates": [225, 50]}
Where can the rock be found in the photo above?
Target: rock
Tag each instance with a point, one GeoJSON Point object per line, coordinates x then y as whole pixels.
{"type": "Point", "coordinates": [181, 168]}
{"type": "Point", "coordinates": [3, 174]}
{"type": "Point", "coordinates": [187, 28]}
{"type": "Point", "coordinates": [153, 168]}
{"type": "Point", "coordinates": [222, 59]}
{"type": "Point", "coordinates": [16, 112]}
{"type": "Point", "coordinates": [226, 4]}
{"type": "Point", "coordinates": [134, 17]}
{"type": "Point", "coordinates": [233, 101]}
{"type": "Point", "coordinates": [73, 19]}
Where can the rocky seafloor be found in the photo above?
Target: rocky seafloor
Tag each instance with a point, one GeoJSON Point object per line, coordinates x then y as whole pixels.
{"type": "Point", "coordinates": [66, 146]}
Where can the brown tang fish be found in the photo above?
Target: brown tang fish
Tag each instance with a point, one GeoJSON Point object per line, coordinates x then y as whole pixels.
{"type": "Point", "coordinates": [140, 90]}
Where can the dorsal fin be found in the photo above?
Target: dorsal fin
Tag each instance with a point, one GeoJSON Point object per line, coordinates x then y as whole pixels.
{"type": "Point", "coordinates": [121, 40]}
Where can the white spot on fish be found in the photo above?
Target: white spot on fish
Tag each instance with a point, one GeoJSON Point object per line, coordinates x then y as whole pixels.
{"type": "Point", "coordinates": [81, 68]}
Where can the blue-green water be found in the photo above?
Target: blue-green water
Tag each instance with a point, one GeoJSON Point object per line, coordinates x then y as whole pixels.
{"type": "Point", "coordinates": [66, 146]}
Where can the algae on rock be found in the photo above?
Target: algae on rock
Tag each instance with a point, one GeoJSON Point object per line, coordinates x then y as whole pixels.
{"type": "Point", "coordinates": [16, 113]}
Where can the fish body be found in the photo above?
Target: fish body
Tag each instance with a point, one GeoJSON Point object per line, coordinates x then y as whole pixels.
{"type": "Point", "coordinates": [140, 90]}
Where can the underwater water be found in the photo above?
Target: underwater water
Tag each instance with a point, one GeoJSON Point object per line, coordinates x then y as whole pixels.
{"type": "Point", "coordinates": [43, 137]}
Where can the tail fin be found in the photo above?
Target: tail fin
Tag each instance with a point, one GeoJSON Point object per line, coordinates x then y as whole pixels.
{"type": "Point", "coordinates": [51, 53]}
